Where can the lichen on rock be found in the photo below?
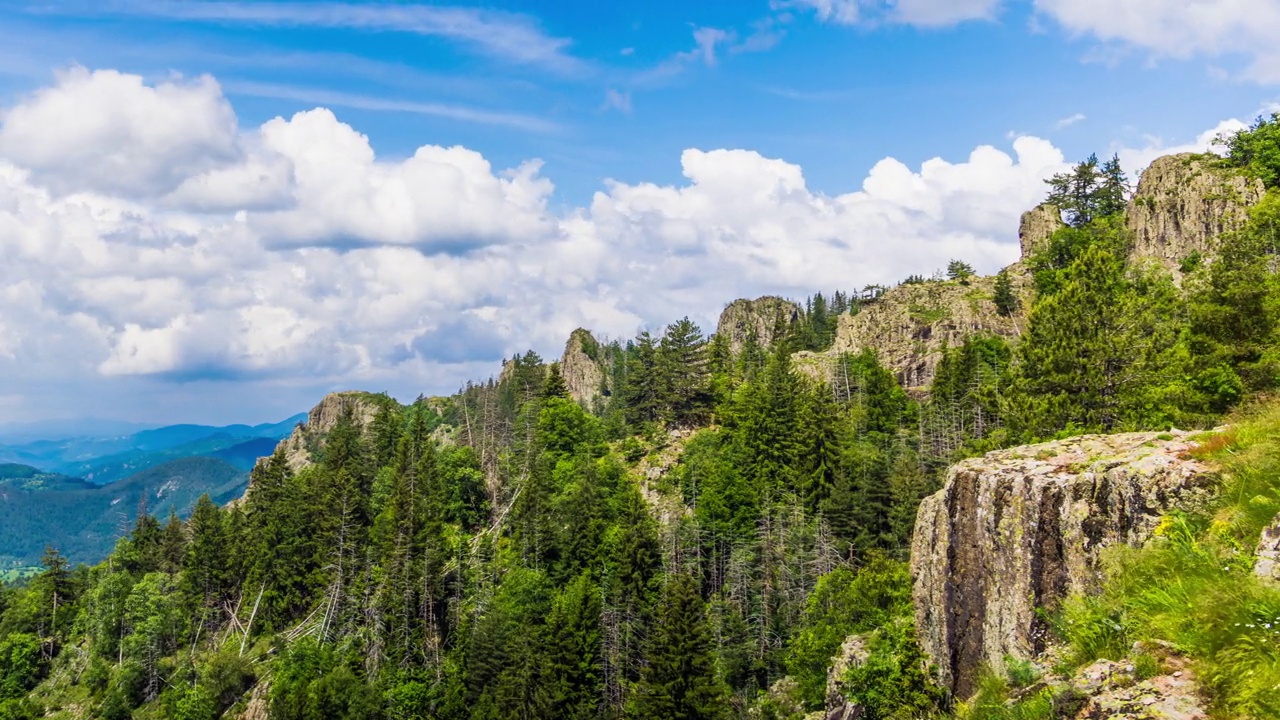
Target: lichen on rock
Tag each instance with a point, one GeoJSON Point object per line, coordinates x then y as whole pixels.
{"type": "Point", "coordinates": [1016, 531]}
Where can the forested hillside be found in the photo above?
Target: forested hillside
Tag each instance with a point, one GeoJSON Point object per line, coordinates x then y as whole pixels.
{"type": "Point", "coordinates": [700, 541]}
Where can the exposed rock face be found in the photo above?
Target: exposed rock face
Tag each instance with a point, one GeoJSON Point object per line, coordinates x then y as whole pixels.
{"type": "Point", "coordinates": [761, 317]}
{"type": "Point", "coordinates": [309, 436]}
{"type": "Point", "coordinates": [584, 373]}
{"type": "Point", "coordinates": [258, 707]}
{"type": "Point", "coordinates": [853, 652]}
{"type": "Point", "coordinates": [1267, 564]}
{"type": "Point", "coordinates": [1020, 529]}
{"type": "Point", "coordinates": [1036, 226]}
{"type": "Point", "coordinates": [1183, 203]}
{"type": "Point", "coordinates": [910, 324]}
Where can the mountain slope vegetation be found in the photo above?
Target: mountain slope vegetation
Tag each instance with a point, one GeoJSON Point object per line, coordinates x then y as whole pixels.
{"type": "Point", "coordinates": [703, 546]}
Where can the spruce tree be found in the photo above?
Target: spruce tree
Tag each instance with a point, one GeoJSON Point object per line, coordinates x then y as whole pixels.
{"type": "Point", "coordinates": [679, 681]}
{"type": "Point", "coordinates": [555, 386]}
{"type": "Point", "coordinates": [684, 375]}
{"type": "Point", "coordinates": [573, 661]}
{"type": "Point", "coordinates": [1005, 299]}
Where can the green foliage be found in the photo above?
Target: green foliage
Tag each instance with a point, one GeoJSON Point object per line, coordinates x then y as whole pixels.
{"type": "Point", "coordinates": [679, 681]}
{"type": "Point", "coordinates": [1090, 191]}
{"type": "Point", "coordinates": [1005, 299]}
{"type": "Point", "coordinates": [1194, 587]}
{"type": "Point", "coordinates": [843, 603]}
{"type": "Point", "coordinates": [1256, 149]}
{"type": "Point", "coordinates": [895, 680]}
{"type": "Point", "coordinates": [959, 270]}
{"type": "Point", "coordinates": [1098, 353]}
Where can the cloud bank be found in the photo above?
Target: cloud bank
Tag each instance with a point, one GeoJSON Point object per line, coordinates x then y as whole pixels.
{"type": "Point", "coordinates": [146, 235]}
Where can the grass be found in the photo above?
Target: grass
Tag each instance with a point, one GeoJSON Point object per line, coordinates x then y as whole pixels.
{"type": "Point", "coordinates": [1192, 586]}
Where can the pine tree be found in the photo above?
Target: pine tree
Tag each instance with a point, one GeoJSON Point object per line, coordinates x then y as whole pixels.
{"type": "Point", "coordinates": [1005, 299]}
{"type": "Point", "coordinates": [679, 679]}
{"type": "Point", "coordinates": [822, 445]}
{"type": "Point", "coordinates": [206, 574]}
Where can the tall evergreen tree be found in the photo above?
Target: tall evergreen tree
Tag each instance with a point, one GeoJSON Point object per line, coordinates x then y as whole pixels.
{"type": "Point", "coordinates": [684, 375]}
{"type": "Point", "coordinates": [679, 678]}
{"type": "Point", "coordinates": [1005, 299]}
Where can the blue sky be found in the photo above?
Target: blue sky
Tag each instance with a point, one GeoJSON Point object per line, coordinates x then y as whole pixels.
{"type": "Point", "coordinates": [620, 107]}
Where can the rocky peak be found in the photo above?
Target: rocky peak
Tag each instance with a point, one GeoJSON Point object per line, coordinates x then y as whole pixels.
{"type": "Point", "coordinates": [1036, 226]}
{"type": "Point", "coordinates": [583, 370]}
{"type": "Point", "coordinates": [761, 317]}
{"type": "Point", "coordinates": [309, 436]}
{"type": "Point", "coordinates": [1183, 203]}
{"type": "Point", "coordinates": [1018, 530]}
{"type": "Point", "coordinates": [909, 325]}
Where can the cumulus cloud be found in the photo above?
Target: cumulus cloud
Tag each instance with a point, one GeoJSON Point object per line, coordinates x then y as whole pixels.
{"type": "Point", "coordinates": [291, 254]}
{"type": "Point", "coordinates": [109, 132]}
{"type": "Point", "coordinates": [1181, 29]}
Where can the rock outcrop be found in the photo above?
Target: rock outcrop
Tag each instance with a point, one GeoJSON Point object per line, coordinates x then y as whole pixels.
{"type": "Point", "coordinates": [308, 437]}
{"type": "Point", "coordinates": [1183, 204]}
{"type": "Point", "coordinates": [761, 318]}
{"type": "Point", "coordinates": [853, 653]}
{"type": "Point", "coordinates": [1018, 530]}
{"type": "Point", "coordinates": [1112, 691]}
{"type": "Point", "coordinates": [909, 325]}
{"type": "Point", "coordinates": [1267, 562]}
{"type": "Point", "coordinates": [584, 373]}
{"type": "Point", "coordinates": [1036, 226]}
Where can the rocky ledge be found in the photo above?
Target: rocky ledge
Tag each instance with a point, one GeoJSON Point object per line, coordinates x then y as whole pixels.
{"type": "Point", "coordinates": [1016, 531]}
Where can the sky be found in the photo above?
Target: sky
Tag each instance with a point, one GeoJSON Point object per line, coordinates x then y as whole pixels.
{"type": "Point", "coordinates": [217, 211]}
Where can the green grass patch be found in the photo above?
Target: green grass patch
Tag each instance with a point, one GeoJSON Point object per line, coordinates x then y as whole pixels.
{"type": "Point", "coordinates": [1193, 585]}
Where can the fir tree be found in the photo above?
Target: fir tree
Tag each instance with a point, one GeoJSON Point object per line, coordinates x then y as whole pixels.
{"type": "Point", "coordinates": [1005, 299]}
{"type": "Point", "coordinates": [683, 374]}
{"type": "Point", "coordinates": [679, 679]}
{"type": "Point", "coordinates": [555, 386]}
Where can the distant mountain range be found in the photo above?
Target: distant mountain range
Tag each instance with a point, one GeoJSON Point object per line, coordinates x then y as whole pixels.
{"type": "Point", "coordinates": [80, 493]}
{"type": "Point", "coordinates": [103, 459]}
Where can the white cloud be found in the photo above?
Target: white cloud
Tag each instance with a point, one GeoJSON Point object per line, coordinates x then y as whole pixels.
{"type": "Point", "coordinates": [108, 132]}
{"type": "Point", "coordinates": [1181, 28]}
{"type": "Point", "coordinates": [1135, 160]}
{"type": "Point", "coordinates": [342, 269]}
{"type": "Point", "coordinates": [1070, 120]}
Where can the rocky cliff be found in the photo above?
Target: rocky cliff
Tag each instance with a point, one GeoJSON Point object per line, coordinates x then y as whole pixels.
{"type": "Point", "coordinates": [909, 325]}
{"type": "Point", "coordinates": [1183, 203]}
{"type": "Point", "coordinates": [583, 370]}
{"type": "Point", "coordinates": [761, 318]}
{"type": "Point", "coordinates": [1036, 226]}
{"type": "Point", "coordinates": [1018, 530]}
{"type": "Point", "coordinates": [308, 438]}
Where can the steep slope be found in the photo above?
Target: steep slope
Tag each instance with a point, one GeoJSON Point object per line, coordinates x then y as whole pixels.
{"type": "Point", "coordinates": [1018, 530]}
{"type": "Point", "coordinates": [307, 438]}
{"type": "Point", "coordinates": [1183, 204]}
